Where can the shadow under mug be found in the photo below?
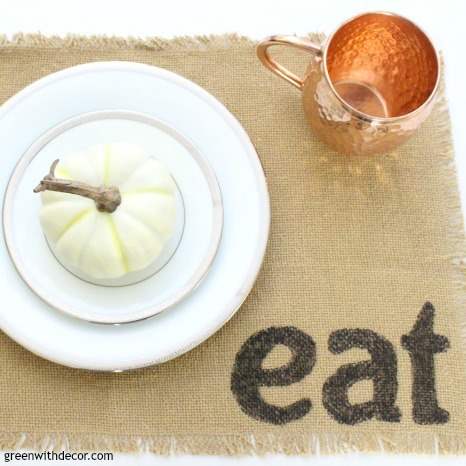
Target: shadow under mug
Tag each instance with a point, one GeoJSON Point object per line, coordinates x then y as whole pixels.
{"type": "Point", "coordinates": [371, 84]}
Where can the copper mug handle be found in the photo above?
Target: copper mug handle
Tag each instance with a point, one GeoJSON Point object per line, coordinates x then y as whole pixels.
{"type": "Point", "coordinates": [274, 66]}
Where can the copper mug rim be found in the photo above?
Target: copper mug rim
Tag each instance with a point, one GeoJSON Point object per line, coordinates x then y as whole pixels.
{"type": "Point", "coordinates": [304, 44]}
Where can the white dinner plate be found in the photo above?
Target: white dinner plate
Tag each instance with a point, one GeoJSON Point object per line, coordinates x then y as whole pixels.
{"type": "Point", "coordinates": [185, 259]}
{"type": "Point", "coordinates": [199, 118]}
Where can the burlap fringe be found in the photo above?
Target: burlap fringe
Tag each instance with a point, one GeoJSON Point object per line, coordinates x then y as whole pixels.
{"type": "Point", "coordinates": [454, 215]}
{"type": "Point", "coordinates": [332, 443]}
{"type": "Point", "coordinates": [421, 442]}
{"type": "Point", "coordinates": [180, 43]}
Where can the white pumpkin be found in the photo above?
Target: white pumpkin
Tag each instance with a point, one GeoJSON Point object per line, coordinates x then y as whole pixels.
{"type": "Point", "coordinates": [109, 245]}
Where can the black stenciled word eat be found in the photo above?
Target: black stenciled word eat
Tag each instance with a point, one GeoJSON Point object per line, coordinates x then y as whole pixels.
{"type": "Point", "coordinates": [422, 344]}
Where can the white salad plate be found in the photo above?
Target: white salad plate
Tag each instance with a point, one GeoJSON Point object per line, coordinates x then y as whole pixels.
{"type": "Point", "coordinates": [211, 265]}
{"type": "Point", "coordinates": [184, 261]}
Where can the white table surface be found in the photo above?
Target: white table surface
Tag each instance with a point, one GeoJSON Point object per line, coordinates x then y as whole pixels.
{"type": "Point", "coordinates": [444, 20]}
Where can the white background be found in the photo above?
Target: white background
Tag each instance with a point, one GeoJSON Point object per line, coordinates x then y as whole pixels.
{"type": "Point", "coordinates": [444, 20]}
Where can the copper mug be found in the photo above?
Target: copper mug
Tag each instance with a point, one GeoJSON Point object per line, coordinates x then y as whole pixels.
{"type": "Point", "coordinates": [369, 87]}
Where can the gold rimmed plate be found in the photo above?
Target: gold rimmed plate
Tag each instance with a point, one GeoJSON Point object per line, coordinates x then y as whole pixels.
{"type": "Point", "coordinates": [183, 263]}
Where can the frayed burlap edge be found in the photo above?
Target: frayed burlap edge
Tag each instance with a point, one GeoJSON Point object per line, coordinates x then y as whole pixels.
{"type": "Point", "coordinates": [254, 443]}
{"type": "Point", "coordinates": [179, 43]}
{"type": "Point", "coordinates": [454, 214]}
{"type": "Point", "coordinates": [331, 443]}
{"type": "Point", "coordinates": [201, 42]}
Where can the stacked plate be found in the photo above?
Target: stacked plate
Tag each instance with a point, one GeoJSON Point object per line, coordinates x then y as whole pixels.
{"type": "Point", "coordinates": [205, 271]}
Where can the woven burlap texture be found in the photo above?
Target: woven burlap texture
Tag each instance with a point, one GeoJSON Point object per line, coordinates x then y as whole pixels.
{"type": "Point", "coordinates": [355, 243]}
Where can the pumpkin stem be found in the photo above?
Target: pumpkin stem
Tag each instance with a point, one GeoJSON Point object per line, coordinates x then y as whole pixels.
{"type": "Point", "coordinates": [106, 199]}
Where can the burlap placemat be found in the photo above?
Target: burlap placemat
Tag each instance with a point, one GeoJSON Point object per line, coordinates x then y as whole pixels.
{"type": "Point", "coordinates": [352, 337]}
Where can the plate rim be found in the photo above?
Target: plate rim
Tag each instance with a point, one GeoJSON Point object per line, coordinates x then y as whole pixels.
{"type": "Point", "coordinates": [235, 303]}
{"type": "Point", "coordinates": [88, 117]}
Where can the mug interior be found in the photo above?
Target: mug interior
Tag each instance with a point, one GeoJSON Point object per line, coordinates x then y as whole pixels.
{"type": "Point", "coordinates": [383, 65]}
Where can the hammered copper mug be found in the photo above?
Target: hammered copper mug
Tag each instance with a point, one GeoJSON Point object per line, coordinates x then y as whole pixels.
{"type": "Point", "coordinates": [371, 84]}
